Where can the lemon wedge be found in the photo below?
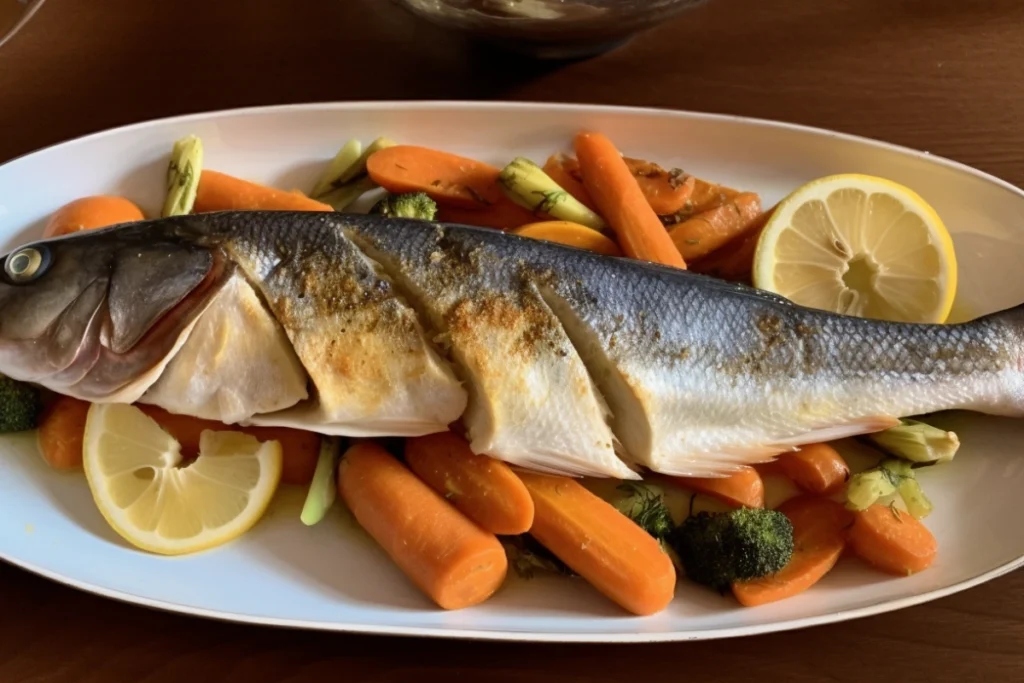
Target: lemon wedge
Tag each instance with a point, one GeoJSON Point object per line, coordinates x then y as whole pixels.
{"type": "Point", "coordinates": [859, 245]}
{"type": "Point", "coordinates": [134, 469]}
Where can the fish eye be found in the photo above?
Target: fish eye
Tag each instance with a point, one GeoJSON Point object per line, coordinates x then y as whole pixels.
{"type": "Point", "coordinates": [25, 265]}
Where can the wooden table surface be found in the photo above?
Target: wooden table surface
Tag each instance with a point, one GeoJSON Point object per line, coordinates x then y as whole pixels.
{"type": "Point", "coordinates": [939, 75]}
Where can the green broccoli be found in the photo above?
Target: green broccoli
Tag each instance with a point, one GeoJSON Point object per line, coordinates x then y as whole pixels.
{"type": "Point", "coordinates": [20, 406]}
{"type": "Point", "coordinates": [721, 548]}
{"type": "Point", "coordinates": [408, 205]}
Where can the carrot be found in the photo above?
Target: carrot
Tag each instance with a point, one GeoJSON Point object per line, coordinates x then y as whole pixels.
{"type": "Point", "coordinates": [816, 468]}
{"type": "Point", "coordinates": [482, 488]}
{"type": "Point", "coordinates": [447, 178]}
{"type": "Point", "coordinates": [572, 234]}
{"type": "Point", "coordinates": [820, 526]}
{"type": "Point", "coordinates": [666, 191]}
{"type": "Point", "coordinates": [892, 540]}
{"type": "Point", "coordinates": [89, 213]}
{"type": "Point", "coordinates": [744, 488]}
{"type": "Point", "coordinates": [566, 172]}
{"type": "Point", "coordinates": [602, 545]}
{"type": "Point", "coordinates": [707, 196]}
{"type": "Point", "coordinates": [734, 260]}
{"type": "Point", "coordinates": [447, 556]}
{"type": "Point", "coordinates": [301, 448]}
{"type": "Point", "coordinates": [706, 232]}
{"type": "Point", "coordinates": [61, 430]}
{"type": "Point", "coordinates": [504, 215]}
{"type": "Point", "coordinates": [221, 192]}
{"type": "Point", "coordinates": [622, 203]}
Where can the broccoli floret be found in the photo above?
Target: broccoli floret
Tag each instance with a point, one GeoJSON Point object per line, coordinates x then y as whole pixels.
{"type": "Point", "coordinates": [409, 205]}
{"type": "Point", "coordinates": [719, 549]}
{"type": "Point", "coordinates": [20, 405]}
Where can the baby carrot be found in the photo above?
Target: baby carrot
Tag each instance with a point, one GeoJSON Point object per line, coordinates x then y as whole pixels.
{"type": "Point", "coordinates": [484, 489]}
{"type": "Point", "coordinates": [734, 260]}
{"type": "Point", "coordinates": [602, 545]}
{"type": "Point", "coordinates": [820, 526]}
{"type": "Point", "coordinates": [445, 555]}
{"type": "Point", "coordinates": [61, 430]}
{"type": "Point", "coordinates": [622, 203]}
{"type": "Point", "coordinates": [816, 468]}
{"type": "Point", "coordinates": [221, 192]}
{"type": "Point", "coordinates": [666, 191]}
{"type": "Point", "coordinates": [707, 231]}
{"type": "Point", "coordinates": [744, 488]}
{"type": "Point", "coordinates": [892, 540]}
{"type": "Point", "coordinates": [447, 178]}
{"type": "Point", "coordinates": [300, 448]}
{"type": "Point", "coordinates": [572, 234]}
{"type": "Point", "coordinates": [566, 172]}
{"type": "Point", "coordinates": [89, 213]}
{"type": "Point", "coordinates": [504, 215]}
{"type": "Point", "coordinates": [707, 196]}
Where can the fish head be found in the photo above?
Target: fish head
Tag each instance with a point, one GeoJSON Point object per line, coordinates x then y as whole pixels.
{"type": "Point", "coordinates": [92, 313]}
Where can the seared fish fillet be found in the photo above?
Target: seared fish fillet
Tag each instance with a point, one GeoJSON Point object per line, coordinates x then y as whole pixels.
{"type": "Point", "coordinates": [548, 357]}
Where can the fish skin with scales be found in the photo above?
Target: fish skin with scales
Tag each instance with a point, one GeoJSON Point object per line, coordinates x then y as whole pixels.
{"type": "Point", "coordinates": [544, 356]}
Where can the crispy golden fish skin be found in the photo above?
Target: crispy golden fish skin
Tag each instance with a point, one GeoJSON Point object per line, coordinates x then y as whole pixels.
{"type": "Point", "coordinates": [552, 358]}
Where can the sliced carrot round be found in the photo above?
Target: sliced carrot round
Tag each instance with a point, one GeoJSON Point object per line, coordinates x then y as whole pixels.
{"type": "Point", "coordinates": [892, 540]}
{"type": "Point", "coordinates": [571, 234]}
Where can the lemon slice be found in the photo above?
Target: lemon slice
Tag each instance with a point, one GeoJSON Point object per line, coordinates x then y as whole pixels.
{"type": "Point", "coordinates": [135, 473]}
{"type": "Point", "coordinates": [859, 245]}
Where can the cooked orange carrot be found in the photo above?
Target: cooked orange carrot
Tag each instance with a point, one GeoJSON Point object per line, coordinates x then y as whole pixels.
{"type": "Point", "coordinates": [565, 171]}
{"type": "Point", "coordinates": [221, 192]}
{"type": "Point", "coordinates": [621, 202]}
{"type": "Point", "coordinates": [484, 489]}
{"type": "Point", "coordinates": [892, 540]}
{"type": "Point", "coordinates": [816, 468]}
{"type": "Point", "coordinates": [447, 178]}
{"type": "Point", "coordinates": [820, 526]}
{"type": "Point", "coordinates": [602, 545]}
{"type": "Point", "coordinates": [572, 234]}
{"type": "Point", "coordinates": [742, 489]}
{"type": "Point", "coordinates": [706, 232]}
{"type": "Point", "coordinates": [89, 213]}
{"type": "Point", "coordinates": [734, 260]}
{"type": "Point", "coordinates": [61, 430]}
{"type": "Point", "coordinates": [300, 448]}
{"type": "Point", "coordinates": [447, 556]}
{"type": "Point", "coordinates": [504, 215]}
{"type": "Point", "coordinates": [666, 191]}
{"type": "Point", "coordinates": [707, 196]}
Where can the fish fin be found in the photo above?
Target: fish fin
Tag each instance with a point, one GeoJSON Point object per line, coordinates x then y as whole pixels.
{"type": "Point", "coordinates": [866, 425]}
{"type": "Point", "coordinates": [310, 416]}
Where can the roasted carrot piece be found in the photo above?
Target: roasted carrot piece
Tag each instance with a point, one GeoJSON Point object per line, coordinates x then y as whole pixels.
{"type": "Point", "coordinates": [482, 488]}
{"type": "Point", "coordinates": [90, 213]}
{"type": "Point", "coordinates": [566, 172]}
{"type": "Point", "coordinates": [622, 203]}
{"type": "Point", "coordinates": [816, 468]}
{"type": "Point", "coordinates": [666, 191]}
{"type": "Point", "coordinates": [222, 192]}
{"type": "Point", "coordinates": [61, 430]}
{"type": "Point", "coordinates": [734, 261]}
{"type": "Point", "coordinates": [744, 488]}
{"type": "Point", "coordinates": [571, 234]}
{"type": "Point", "coordinates": [707, 195]}
{"type": "Point", "coordinates": [504, 215]}
{"type": "Point", "coordinates": [300, 448]}
{"type": "Point", "coordinates": [892, 540]}
{"type": "Point", "coordinates": [820, 526]}
{"type": "Point", "coordinates": [602, 545]}
{"type": "Point", "coordinates": [706, 232]}
{"type": "Point", "coordinates": [447, 178]}
{"type": "Point", "coordinates": [443, 553]}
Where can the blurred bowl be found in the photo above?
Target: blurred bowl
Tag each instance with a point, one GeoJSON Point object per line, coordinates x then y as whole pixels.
{"type": "Point", "coordinates": [14, 14]}
{"type": "Point", "coordinates": [550, 29]}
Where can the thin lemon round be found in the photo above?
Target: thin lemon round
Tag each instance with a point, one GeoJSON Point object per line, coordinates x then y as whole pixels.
{"type": "Point", "coordinates": [859, 245]}
{"type": "Point", "coordinates": [134, 469]}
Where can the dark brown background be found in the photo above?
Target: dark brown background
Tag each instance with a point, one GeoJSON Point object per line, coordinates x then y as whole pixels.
{"type": "Point", "coordinates": [943, 76]}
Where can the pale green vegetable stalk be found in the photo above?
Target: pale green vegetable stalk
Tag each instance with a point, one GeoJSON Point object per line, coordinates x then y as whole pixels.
{"type": "Point", "coordinates": [323, 489]}
{"type": "Point", "coordinates": [351, 182]}
{"type": "Point", "coordinates": [342, 161]}
{"type": "Point", "coordinates": [358, 169]}
{"type": "Point", "coordinates": [183, 174]}
{"type": "Point", "coordinates": [917, 442]}
{"type": "Point", "coordinates": [341, 198]}
{"type": "Point", "coordinates": [891, 476]}
{"type": "Point", "coordinates": [526, 183]}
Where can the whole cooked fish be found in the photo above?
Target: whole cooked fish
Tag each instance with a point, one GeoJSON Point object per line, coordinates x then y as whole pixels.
{"type": "Point", "coordinates": [549, 357]}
